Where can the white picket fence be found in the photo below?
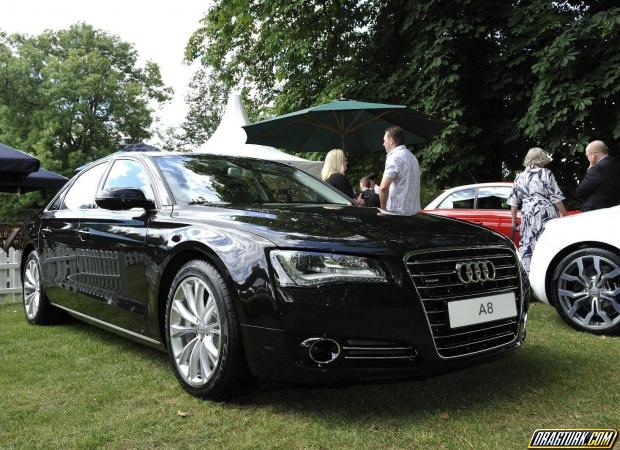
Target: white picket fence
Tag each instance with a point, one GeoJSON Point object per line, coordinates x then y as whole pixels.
{"type": "Point", "coordinates": [10, 280]}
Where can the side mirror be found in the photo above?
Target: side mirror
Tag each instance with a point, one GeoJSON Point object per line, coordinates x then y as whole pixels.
{"type": "Point", "coordinates": [119, 199]}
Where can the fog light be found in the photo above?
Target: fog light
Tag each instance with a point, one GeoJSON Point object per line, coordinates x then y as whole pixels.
{"type": "Point", "coordinates": [322, 350]}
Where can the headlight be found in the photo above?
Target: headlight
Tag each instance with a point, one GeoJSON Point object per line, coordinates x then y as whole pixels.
{"type": "Point", "coordinates": [295, 268]}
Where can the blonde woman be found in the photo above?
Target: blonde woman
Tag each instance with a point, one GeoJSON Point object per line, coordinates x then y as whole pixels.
{"type": "Point", "coordinates": [333, 172]}
{"type": "Point", "coordinates": [537, 194]}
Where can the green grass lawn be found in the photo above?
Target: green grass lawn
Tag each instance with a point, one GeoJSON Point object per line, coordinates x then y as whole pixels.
{"type": "Point", "coordinates": [74, 386]}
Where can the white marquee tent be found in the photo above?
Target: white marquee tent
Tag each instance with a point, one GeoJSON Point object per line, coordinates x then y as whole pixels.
{"type": "Point", "coordinates": [229, 139]}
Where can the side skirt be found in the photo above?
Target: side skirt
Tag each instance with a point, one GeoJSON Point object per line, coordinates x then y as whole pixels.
{"type": "Point", "coordinates": [114, 329]}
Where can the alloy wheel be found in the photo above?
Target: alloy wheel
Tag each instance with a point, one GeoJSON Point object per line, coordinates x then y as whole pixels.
{"type": "Point", "coordinates": [32, 289]}
{"type": "Point", "coordinates": [195, 329]}
{"type": "Point", "coordinates": [588, 292]}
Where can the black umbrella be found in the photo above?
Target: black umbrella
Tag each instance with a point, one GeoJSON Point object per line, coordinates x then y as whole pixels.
{"type": "Point", "coordinates": [140, 147]}
{"type": "Point", "coordinates": [15, 165]}
{"type": "Point", "coordinates": [43, 179]}
{"type": "Point", "coordinates": [36, 181]}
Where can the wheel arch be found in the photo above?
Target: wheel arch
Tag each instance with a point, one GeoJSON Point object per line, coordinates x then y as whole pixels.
{"type": "Point", "coordinates": [188, 251]}
{"type": "Point", "coordinates": [562, 253]}
{"type": "Point", "coordinates": [29, 247]}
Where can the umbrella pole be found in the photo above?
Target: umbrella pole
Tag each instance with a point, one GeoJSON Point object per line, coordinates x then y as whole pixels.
{"type": "Point", "coordinates": [342, 132]}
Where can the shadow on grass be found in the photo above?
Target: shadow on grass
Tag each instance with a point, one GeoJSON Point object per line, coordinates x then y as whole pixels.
{"type": "Point", "coordinates": [526, 375]}
{"type": "Point", "coordinates": [137, 349]}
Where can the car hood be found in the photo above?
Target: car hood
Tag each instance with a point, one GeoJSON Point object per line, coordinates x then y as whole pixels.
{"type": "Point", "coordinates": [588, 217]}
{"type": "Point", "coordinates": [335, 227]}
{"type": "Point", "coordinates": [593, 226]}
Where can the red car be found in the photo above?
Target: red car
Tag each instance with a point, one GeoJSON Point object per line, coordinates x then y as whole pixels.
{"type": "Point", "coordinates": [483, 203]}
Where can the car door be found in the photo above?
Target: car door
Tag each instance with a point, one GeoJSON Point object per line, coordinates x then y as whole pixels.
{"type": "Point", "coordinates": [494, 210]}
{"type": "Point", "coordinates": [459, 205]}
{"type": "Point", "coordinates": [111, 257]}
{"type": "Point", "coordinates": [58, 238]}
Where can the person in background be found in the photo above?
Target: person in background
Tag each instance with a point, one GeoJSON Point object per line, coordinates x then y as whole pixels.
{"type": "Point", "coordinates": [367, 196]}
{"type": "Point", "coordinates": [537, 194]}
{"type": "Point", "coordinates": [400, 186]}
{"type": "Point", "coordinates": [600, 187]}
{"type": "Point", "coordinates": [373, 183]}
{"type": "Point", "coordinates": [333, 172]}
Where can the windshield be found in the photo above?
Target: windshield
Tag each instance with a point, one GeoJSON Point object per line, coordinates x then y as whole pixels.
{"type": "Point", "coordinates": [219, 180]}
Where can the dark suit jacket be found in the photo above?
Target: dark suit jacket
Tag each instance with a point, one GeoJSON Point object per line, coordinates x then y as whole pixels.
{"type": "Point", "coordinates": [601, 186]}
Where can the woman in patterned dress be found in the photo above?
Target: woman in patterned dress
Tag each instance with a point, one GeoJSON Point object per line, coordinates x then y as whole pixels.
{"type": "Point", "coordinates": [537, 194]}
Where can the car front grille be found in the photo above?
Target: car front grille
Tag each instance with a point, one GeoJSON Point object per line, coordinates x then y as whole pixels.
{"type": "Point", "coordinates": [436, 280]}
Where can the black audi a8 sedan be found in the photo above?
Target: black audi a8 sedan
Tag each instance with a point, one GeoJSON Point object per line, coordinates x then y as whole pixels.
{"type": "Point", "coordinates": [241, 268]}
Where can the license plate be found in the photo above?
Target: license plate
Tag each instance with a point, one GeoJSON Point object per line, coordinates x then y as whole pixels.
{"type": "Point", "coordinates": [482, 309]}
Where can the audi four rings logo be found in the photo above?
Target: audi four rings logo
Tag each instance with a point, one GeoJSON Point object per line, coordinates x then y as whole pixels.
{"type": "Point", "coordinates": [475, 272]}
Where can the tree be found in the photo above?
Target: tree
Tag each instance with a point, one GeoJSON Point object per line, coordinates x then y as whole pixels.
{"type": "Point", "coordinates": [507, 75]}
{"type": "Point", "coordinates": [206, 100]}
{"type": "Point", "coordinates": [285, 55]}
{"type": "Point", "coordinates": [576, 96]}
{"type": "Point", "coordinates": [74, 95]}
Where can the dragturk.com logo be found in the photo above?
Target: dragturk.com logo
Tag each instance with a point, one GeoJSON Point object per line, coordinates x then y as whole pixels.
{"type": "Point", "coordinates": [574, 438]}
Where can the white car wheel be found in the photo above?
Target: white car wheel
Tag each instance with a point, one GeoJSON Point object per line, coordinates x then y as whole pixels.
{"type": "Point", "coordinates": [586, 290]}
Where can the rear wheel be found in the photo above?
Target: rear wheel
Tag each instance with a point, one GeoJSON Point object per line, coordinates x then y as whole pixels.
{"type": "Point", "coordinates": [37, 307]}
{"type": "Point", "coordinates": [586, 290]}
{"type": "Point", "coordinates": [203, 334]}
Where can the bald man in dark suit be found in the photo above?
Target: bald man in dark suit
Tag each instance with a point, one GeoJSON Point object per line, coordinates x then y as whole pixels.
{"type": "Point", "coordinates": [600, 187]}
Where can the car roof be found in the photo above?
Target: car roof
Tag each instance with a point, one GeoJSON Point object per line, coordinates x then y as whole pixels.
{"type": "Point", "coordinates": [479, 185]}
{"type": "Point", "coordinates": [437, 200]}
{"type": "Point", "coordinates": [122, 154]}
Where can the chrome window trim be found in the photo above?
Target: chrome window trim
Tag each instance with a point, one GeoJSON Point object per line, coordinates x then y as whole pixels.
{"type": "Point", "coordinates": [63, 191]}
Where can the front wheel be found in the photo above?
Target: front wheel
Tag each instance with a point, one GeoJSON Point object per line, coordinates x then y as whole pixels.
{"type": "Point", "coordinates": [203, 334]}
{"type": "Point", "coordinates": [586, 290]}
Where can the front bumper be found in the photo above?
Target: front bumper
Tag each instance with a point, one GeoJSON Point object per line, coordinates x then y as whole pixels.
{"type": "Point", "coordinates": [382, 332]}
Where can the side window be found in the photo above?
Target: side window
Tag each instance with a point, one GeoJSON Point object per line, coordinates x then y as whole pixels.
{"type": "Point", "coordinates": [463, 199]}
{"type": "Point", "coordinates": [285, 190]}
{"type": "Point", "coordinates": [81, 195]}
{"type": "Point", "coordinates": [126, 173]}
{"type": "Point", "coordinates": [493, 197]}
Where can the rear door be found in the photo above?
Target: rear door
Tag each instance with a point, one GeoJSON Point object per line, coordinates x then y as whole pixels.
{"type": "Point", "coordinates": [58, 243]}
{"type": "Point", "coordinates": [492, 204]}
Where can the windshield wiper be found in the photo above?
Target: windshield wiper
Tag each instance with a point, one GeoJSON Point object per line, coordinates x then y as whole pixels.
{"type": "Point", "coordinates": [207, 203]}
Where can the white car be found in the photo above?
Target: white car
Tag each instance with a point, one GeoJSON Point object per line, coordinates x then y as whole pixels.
{"type": "Point", "coordinates": [576, 268]}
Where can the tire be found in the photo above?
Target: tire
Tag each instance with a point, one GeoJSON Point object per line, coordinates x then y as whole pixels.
{"type": "Point", "coordinates": [586, 290]}
{"type": "Point", "coordinates": [37, 308]}
{"type": "Point", "coordinates": [203, 335]}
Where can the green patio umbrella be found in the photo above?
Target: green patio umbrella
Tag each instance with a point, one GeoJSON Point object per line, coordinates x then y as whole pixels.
{"type": "Point", "coordinates": [351, 125]}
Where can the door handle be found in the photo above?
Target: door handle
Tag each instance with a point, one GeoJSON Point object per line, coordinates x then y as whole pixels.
{"type": "Point", "coordinates": [45, 232]}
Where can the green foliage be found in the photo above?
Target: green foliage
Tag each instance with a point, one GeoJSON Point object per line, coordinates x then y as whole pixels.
{"type": "Point", "coordinates": [206, 99]}
{"type": "Point", "coordinates": [578, 88]}
{"type": "Point", "coordinates": [72, 96]}
{"type": "Point", "coordinates": [285, 55]}
{"type": "Point", "coordinates": [507, 75]}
